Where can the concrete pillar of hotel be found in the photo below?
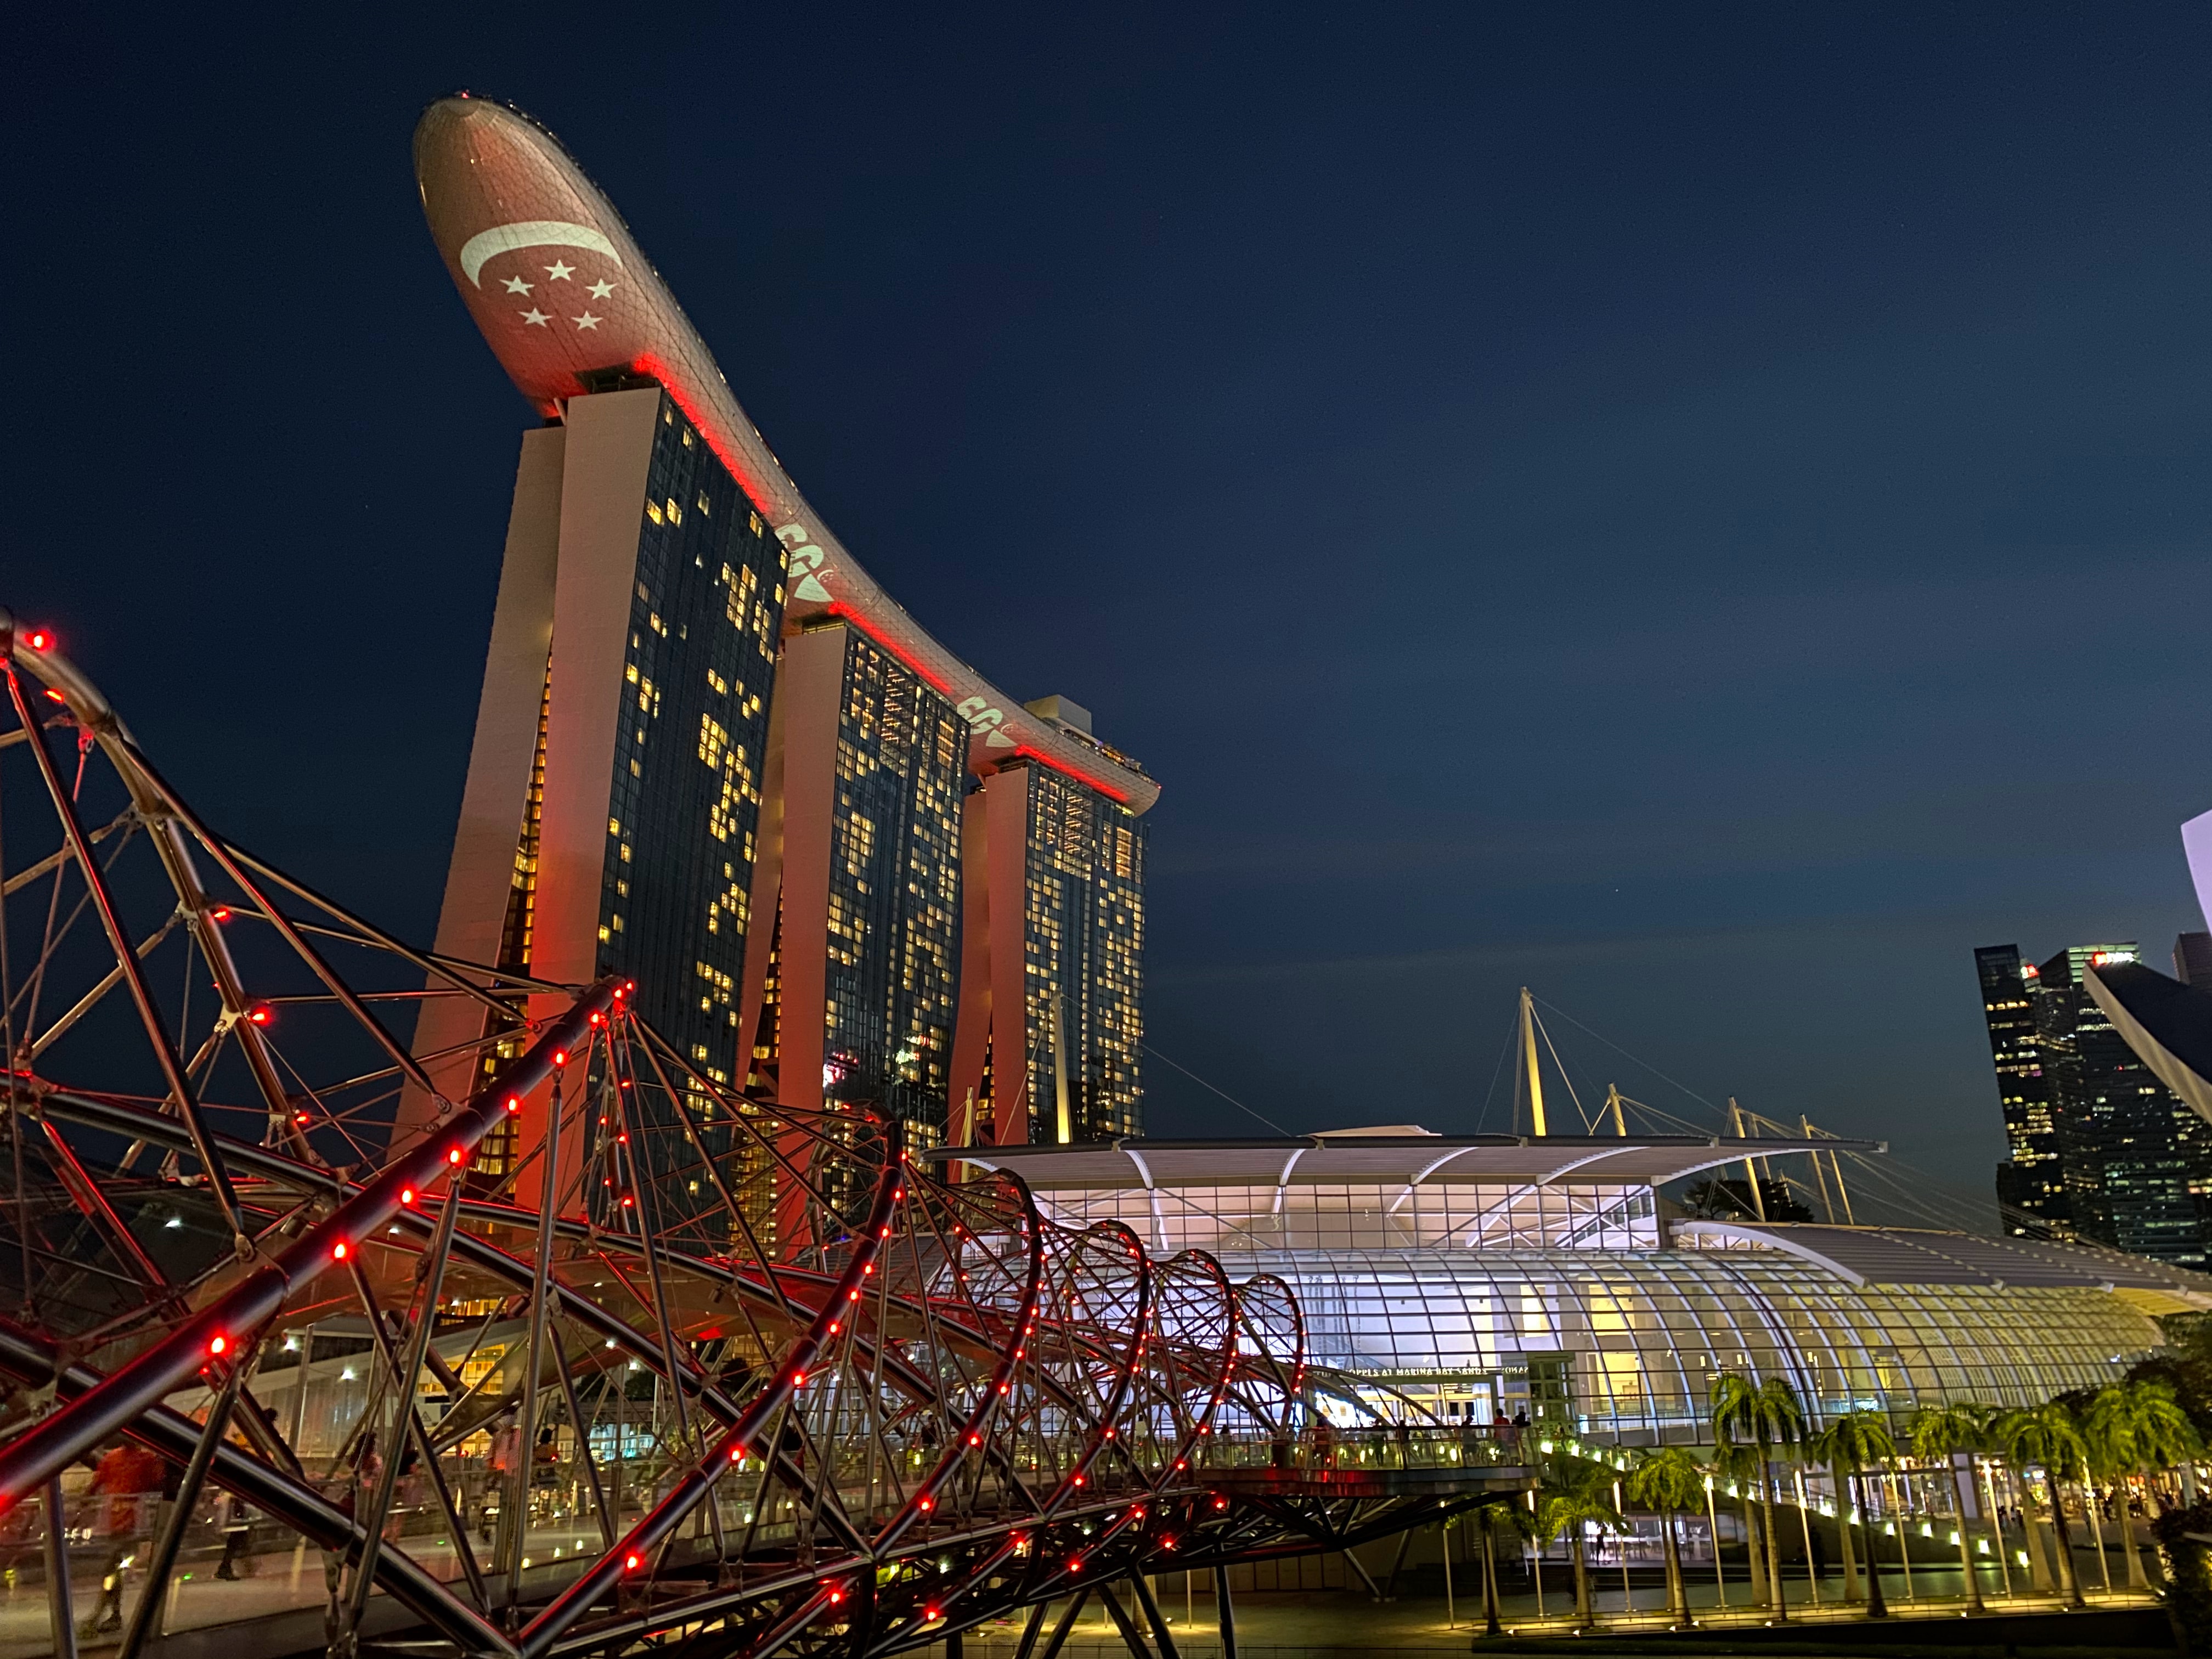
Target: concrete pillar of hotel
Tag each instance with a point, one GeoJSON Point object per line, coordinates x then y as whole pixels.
{"type": "Point", "coordinates": [609, 447]}
{"type": "Point", "coordinates": [497, 793]}
{"type": "Point", "coordinates": [971, 1027]}
{"type": "Point", "coordinates": [810, 687]}
{"type": "Point", "coordinates": [1007, 803]}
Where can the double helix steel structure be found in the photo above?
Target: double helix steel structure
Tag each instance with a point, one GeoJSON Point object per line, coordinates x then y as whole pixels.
{"type": "Point", "coordinates": [608, 1356]}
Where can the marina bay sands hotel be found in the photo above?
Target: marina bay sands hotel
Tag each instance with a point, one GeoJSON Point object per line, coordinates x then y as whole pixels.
{"type": "Point", "coordinates": [714, 755]}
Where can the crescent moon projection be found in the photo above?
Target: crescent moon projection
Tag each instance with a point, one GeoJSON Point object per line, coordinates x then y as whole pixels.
{"type": "Point", "coordinates": [529, 232]}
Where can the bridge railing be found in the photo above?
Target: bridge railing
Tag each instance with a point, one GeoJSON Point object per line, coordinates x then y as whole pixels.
{"type": "Point", "coordinates": [1385, 1447]}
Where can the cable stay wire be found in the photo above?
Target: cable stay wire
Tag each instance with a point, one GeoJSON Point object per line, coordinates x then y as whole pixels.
{"type": "Point", "coordinates": [1482, 1117]}
{"type": "Point", "coordinates": [1224, 1093]}
{"type": "Point", "coordinates": [1907, 1187]}
{"type": "Point", "coordinates": [1633, 1059]}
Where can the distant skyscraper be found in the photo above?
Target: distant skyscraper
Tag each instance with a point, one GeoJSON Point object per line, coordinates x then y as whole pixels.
{"type": "Point", "coordinates": [2192, 960]}
{"type": "Point", "coordinates": [2100, 1148]}
{"type": "Point", "coordinates": [713, 757]}
{"type": "Point", "coordinates": [2031, 1181]}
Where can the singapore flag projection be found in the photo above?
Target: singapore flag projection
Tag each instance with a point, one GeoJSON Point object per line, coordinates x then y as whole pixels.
{"type": "Point", "coordinates": [588, 286]}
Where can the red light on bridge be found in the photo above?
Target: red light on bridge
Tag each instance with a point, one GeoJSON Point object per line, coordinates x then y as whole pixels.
{"type": "Point", "coordinates": [928, 1503]}
{"type": "Point", "coordinates": [632, 1563]}
{"type": "Point", "coordinates": [259, 1014]}
{"type": "Point", "coordinates": [406, 1194]}
{"type": "Point", "coordinates": [338, 1250]}
{"type": "Point", "coordinates": [515, 1103]}
{"type": "Point", "coordinates": [560, 1056]}
{"type": "Point", "coordinates": [453, 1155]}
{"type": "Point", "coordinates": [39, 638]}
{"type": "Point", "coordinates": [217, 1344]}
{"type": "Point", "coordinates": [221, 912]}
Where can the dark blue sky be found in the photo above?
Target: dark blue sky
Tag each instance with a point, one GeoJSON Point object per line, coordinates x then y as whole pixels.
{"type": "Point", "coordinates": [1702, 510]}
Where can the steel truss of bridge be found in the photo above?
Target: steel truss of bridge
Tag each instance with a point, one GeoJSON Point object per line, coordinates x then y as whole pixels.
{"type": "Point", "coordinates": [611, 1356]}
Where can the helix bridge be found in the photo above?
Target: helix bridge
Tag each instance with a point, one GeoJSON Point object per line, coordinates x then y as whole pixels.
{"type": "Point", "coordinates": [609, 1356]}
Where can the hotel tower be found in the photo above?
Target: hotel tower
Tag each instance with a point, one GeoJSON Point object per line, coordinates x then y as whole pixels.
{"type": "Point", "coordinates": [712, 756]}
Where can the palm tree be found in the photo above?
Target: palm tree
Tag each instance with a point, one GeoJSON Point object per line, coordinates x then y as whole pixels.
{"type": "Point", "coordinates": [2047, 1435]}
{"type": "Point", "coordinates": [1577, 1492]}
{"type": "Point", "coordinates": [2137, 1428]}
{"type": "Point", "coordinates": [1768, 1419]}
{"type": "Point", "coordinates": [1848, 1446]}
{"type": "Point", "coordinates": [1670, 1481]}
{"type": "Point", "coordinates": [1516, 1520]}
{"type": "Point", "coordinates": [1942, 1432]}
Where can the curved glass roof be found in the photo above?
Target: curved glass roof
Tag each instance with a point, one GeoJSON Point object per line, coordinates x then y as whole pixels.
{"type": "Point", "coordinates": [1911, 1255]}
{"type": "Point", "coordinates": [1638, 1335]}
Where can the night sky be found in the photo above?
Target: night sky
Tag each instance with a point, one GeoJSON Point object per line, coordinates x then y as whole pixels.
{"type": "Point", "coordinates": [1699, 510]}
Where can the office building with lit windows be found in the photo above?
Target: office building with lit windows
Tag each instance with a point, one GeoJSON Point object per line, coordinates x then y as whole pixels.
{"type": "Point", "coordinates": [2101, 1150]}
{"type": "Point", "coordinates": [2031, 1181]}
{"type": "Point", "coordinates": [712, 756]}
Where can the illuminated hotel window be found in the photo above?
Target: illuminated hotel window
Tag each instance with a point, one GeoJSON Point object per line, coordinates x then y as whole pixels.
{"type": "Point", "coordinates": [894, 896]}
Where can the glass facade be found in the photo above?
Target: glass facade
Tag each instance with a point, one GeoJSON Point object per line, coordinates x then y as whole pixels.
{"type": "Point", "coordinates": [1634, 1339]}
{"type": "Point", "coordinates": [706, 612]}
{"type": "Point", "coordinates": [1574, 1302]}
{"type": "Point", "coordinates": [1327, 1217]}
{"type": "Point", "coordinates": [1084, 939]}
{"type": "Point", "coordinates": [893, 950]}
